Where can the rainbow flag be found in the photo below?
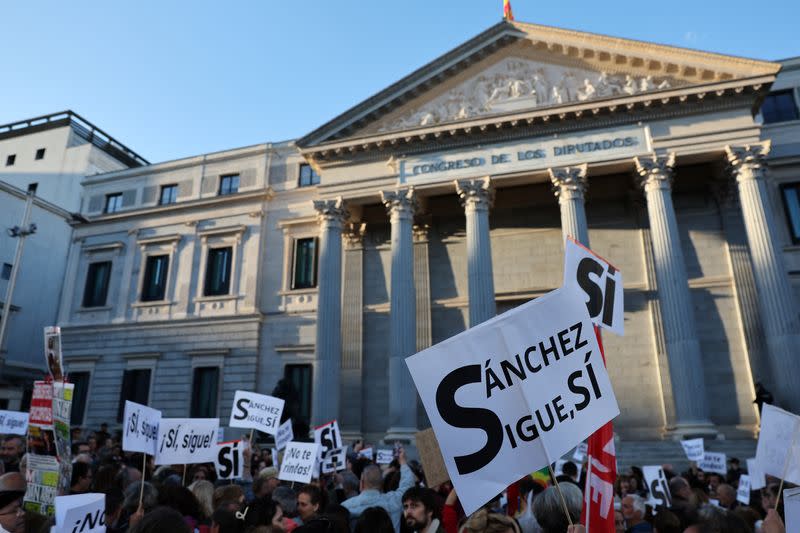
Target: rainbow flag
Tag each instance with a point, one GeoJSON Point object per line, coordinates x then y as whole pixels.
{"type": "Point", "coordinates": [507, 13]}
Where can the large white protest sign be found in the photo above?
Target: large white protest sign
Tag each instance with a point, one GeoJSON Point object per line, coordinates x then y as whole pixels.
{"type": "Point", "coordinates": [140, 428]}
{"type": "Point", "coordinates": [757, 479]}
{"type": "Point", "coordinates": [274, 454]}
{"type": "Point", "coordinates": [384, 456]}
{"type": "Point", "coordinates": [81, 513]}
{"type": "Point", "coordinates": [366, 452]}
{"type": "Point", "coordinates": [334, 460]}
{"type": "Point", "coordinates": [13, 423]}
{"type": "Point", "coordinates": [256, 411]}
{"type": "Point", "coordinates": [285, 434]}
{"type": "Point", "coordinates": [328, 437]}
{"type": "Point", "coordinates": [657, 485]}
{"type": "Point", "coordinates": [779, 444]}
{"type": "Point", "coordinates": [299, 460]}
{"type": "Point", "coordinates": [229, 461]}
{"type": "Point", "coordinates": [601, 284]}
{"type": "Point", "coordinates": [743, 490]}
{"type": "Point", "coordinates": [694, 449]}
{"type": "Point", "coordinates": [791, 508]}
{"type": "Point", "coordinates": [506, 396]}
{"type": "Point", "coordinates": [187, 440]}
{"type": "Point", "coordinates": [714, 462]}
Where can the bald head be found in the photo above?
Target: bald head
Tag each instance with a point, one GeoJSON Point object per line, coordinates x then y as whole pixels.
{"type": "Point", "coordinates": [371, 478]}
{"type": "Point", "coordinates": [12, 481]}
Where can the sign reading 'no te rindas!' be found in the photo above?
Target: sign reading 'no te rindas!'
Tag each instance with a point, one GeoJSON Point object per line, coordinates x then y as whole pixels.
{"type": "Point", "coordinates": [529, 154]}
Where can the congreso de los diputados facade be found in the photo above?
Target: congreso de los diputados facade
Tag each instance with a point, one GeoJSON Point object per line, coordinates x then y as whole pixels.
{"type": "Point", "coordinates": [315, 266]}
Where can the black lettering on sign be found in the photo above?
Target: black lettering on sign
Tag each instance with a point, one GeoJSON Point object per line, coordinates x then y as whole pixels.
{"type": "Point", "coordinates": [590, 287]}
{"type": "Point", "coordinates": [90, 521]}
{"type": "Point", "coordinates": [241, 406]}
{"type": "Point", "coordinates": [660, 490]}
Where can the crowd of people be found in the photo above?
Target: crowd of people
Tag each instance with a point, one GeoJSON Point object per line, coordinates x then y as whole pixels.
{"type": "Point", "coordinates": [367, 498]}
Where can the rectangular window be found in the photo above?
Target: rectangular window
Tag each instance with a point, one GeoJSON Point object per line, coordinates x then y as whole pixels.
{"type": "Point", "coordinates": [218, 272]}
{"type": "Point", "coordinates": [791, 203]}
{"type": "Point", "coordinates": [97, 278]}
{"type": "Point", "coordinates": [300, 378]}
{"type": "Point", "coordinates": [11, 159]}
{"type": "Point", "coordinates": [135, 388]}
{"type": "Point", "coordinates": [228, 184]}
{"type": "Point", "coordinates": [779, 106]}
{"type": "Point", "coordinates": [154, 283]}
{"type": "Point", "coordinates": [113, 202]}
{"type": "Point", "coordinates": [40, 154]}
{"type": "Point", "coordinates": [169, 194]}
{"type": "Point", "coordinates": [79, 395]}
{"type": "Point", "coordinates": [304, 275]}
{"type": "Point", "coordinates": [6, 273]}
{"type": "Point", "coordinates": [204, 392]}
{"type": "Point", "coordinates": [308, 176]}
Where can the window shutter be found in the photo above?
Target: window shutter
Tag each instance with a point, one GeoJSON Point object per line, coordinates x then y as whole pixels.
{"type": "Point", "coordinates": [96, 203]}
{"type": "Point", "coordinates": [149, 195]}
{"type": "Point", "coordinates": [128, 198]}
{"type": "Point", "coordinates": [185, 188]}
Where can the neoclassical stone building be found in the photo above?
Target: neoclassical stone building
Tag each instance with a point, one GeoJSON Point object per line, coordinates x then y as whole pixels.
{"type": "Point", "coordinates": [444, 200]}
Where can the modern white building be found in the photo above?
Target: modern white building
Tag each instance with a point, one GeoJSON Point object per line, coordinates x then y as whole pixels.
{"type": "Point", "coordinates": [443, 200]}
{"type": "Point", "coordinates": [54, 152]}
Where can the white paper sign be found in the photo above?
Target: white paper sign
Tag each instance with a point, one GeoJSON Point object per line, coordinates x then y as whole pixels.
{"type": "Point", "coordinates": [384, 457]}
{"type": "Point", "coordinates": [274, 454]}
{"type": "Point", "coordinates": [366, 452]}
{"type": "Point", "coordinates": [657, 485]}
{"type": "Point", "coordinates": [13, 423]}
{"type": "Point", "coordinates": [714, 462]}
{"type": "Point", "coordinates": [580, 452]}
{"type": "Point", "coordinates": [187, 440]}
{"type": "Point", "coordinates": [81, 513]}
{"type": "Point", "coordinates": [335, 460]}
{"type": "Point", "coordinates": [299, 460]}
{"type": "Point", "coordinates": [743, 491]}
{"type": "Point", "coordinates": [779, 444]}
{"type": "Point", "coordinates": [256, 411]}
{"type": "Point", "coordinates": [328, 437]}
{"type": "Point", "coordinates": [500, 392]}
{"type": "Point", "coordinates": [285, 434]}
{"type": "Point", "coordinates": [229, 461]}
{"type": "Point", "coordinates": [52, 351]}
{"type": "Point", "coordinates": [140, 428]}
{"type": "Point", "coordinates": [694, 449]}
{"type": "Point", "coordinates": [791, 508]}
{"type": "Point", "coordinates": [757, 479]}
{"type": "Point", "coordinates": [600, 282]}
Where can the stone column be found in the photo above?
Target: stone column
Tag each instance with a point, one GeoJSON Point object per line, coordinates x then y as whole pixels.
{"type": "Point", "coordinates": [422, 283]}
{"type": "Point", "coordinates": [328, 347]}
{"type": "Point", "coordinates": [401, 206]}
{"type": "Point", "coordinates": [775, 295]}
{"type": "Point", "coordinates": [477, 197]}
{"type": "Point", "coordinates": [682, 344]}
{"type": "Point", "coordinates": [352, 332]}
{"type": "Point", "coordinates": [569, 186]}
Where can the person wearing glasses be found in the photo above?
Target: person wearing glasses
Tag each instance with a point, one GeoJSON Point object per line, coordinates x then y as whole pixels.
{"type": "Point", "coordinates": [12, 514]}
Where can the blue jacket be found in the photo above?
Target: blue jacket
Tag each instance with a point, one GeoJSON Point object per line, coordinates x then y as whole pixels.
{"type": "Point", "coordinates": [392, 502]}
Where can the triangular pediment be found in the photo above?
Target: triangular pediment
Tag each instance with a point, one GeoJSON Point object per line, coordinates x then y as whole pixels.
{"type": "Point", "coordinates": [514, 67]}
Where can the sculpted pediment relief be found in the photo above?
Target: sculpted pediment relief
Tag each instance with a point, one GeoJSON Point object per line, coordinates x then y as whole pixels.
{"type": "Point", "coordinates": [515, 84]}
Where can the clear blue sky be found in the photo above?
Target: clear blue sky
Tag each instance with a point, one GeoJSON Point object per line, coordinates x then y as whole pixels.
{"type": "Point", "coordinates": [172, 79]}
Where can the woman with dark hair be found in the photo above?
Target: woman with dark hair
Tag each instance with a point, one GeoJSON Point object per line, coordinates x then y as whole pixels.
{"type": "Point", "coordinates": [159, 520]}
{"type": "Point", "coordinates": [374, 520]}
{"type": "Point", "coordinates": [182, 500]}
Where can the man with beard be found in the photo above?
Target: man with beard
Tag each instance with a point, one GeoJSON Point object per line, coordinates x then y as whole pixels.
{"type": "Point", "coordinates": [420, 511]}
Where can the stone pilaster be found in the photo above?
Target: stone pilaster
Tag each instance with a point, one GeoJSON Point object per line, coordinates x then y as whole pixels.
{"type": "Point", "coordinates": [328, 348]}
{"type": "Point", "coordinates": [775, 296]}
{"type": "Point", "coordinates": [352, 332]}
{"type": "Point", "coordinates": [677, 312]}
{"type": "Point", "coordinates": [569, 186]}
{"type": "Point", "coordinates": [422, 283]}
{"type": "Point", "coordinates": [401, 205]}
{"type": "Point", "coordinates": [477, 197]}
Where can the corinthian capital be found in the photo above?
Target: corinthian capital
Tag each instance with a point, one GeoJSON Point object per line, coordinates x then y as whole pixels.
{"type": "Point", "coordinates": [475, 194]}
{"type": "Point", "coordinates": [400, 203]}
{"type": "Point", "coordinates": [655, 171]}
{"type": "Point", "coordinates": [748, 161]}
{"type": "Point", "coordinates": [332, 212]}
{"type": "Point", "coordinates": [569, 182]}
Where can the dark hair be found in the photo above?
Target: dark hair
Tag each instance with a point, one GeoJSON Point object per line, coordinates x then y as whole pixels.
{"type": "Point", "coordinates": [569, 469]}
{"type": "Point", "coordinates": [260, 512]}
{"type": "Point", "coordinates": [106, 478]}
{"type": "Point", "coordinates": [314, 494]}
{"type": "Point", "coordinates": [79, 470]}
{"type": "Point", "coordinates": [161, 519]}
{"type": "Point", "coordinates": [227, 521]}
{"type": "Point", "coordinates": [427, 497]}
{"type": "Point", "coordinates": [181, 499]}
{"type": "Point", "coordinates": [667, 522]}
{"type": "Point", "coordinates": [374, 520]}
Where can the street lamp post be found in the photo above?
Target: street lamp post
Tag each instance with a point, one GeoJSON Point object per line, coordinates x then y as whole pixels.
{"type": "Point", "coordinates": [20, 232]}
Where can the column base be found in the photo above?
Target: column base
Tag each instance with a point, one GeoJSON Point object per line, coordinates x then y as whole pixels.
{"type": "Point", "coordinates": [404, 435]}
{"type": "Point", "coordinates": [691, 430]}
{"type": "Point", "coordinates": [350, 436]}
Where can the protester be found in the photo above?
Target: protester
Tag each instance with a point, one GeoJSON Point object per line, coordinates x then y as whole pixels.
{"type": "Point", "coordinates": [309, 500]}
{"type": "Point", "coordinates": [11, 453]}
{"type": "Point", "coordinates": [549, 512]}
{"type": "Point", "coordinates": [421, 513]}
{"type": "Point", "coordinates": [374, 520]}
{"type": "Point", "coordinates": [81, 478]}
{"type": "Point", "coordinates": [633, 510]}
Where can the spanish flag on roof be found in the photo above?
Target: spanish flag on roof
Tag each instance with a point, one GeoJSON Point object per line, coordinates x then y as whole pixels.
{"type": "Point", "coordinates": [507, 13]}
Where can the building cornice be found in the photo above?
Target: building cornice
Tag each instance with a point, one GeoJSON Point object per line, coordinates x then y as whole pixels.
{"type": "Point", "coordinates": [69, 329]}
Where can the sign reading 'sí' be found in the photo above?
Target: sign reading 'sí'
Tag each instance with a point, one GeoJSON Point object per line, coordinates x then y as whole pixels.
{"type": "Point", "coordinates": [529, 154]}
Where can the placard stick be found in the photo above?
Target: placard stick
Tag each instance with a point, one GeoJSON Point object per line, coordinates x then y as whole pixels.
{"type": "Point", "coordinates": [251, 439]}
{"type": "Point", "coordinates": [558, 487]}
{"type": "Point", "coordinates": [183, 478]}
{"type": "Point", "coordinates": [786, 464]}
{"type": "Point", "coordinates": [141, 489]}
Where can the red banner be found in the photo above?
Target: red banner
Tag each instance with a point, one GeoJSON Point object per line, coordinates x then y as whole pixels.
{"type": "Point", "coordinates": [601, 472]}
